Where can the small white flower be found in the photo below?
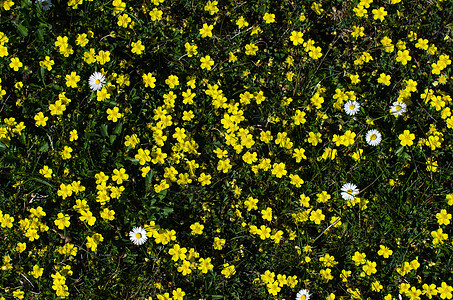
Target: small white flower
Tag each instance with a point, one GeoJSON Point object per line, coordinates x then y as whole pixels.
{"type": "Point", "coordinates": [351, 107]}
{"type": "Point", "coordinates": [303, 295]}
{"type": "Point", "coordinates": [373, 137]}
{"type": "Point", "coordinates": [398, 108]}
{"type": "Point", "coordinates": [96, 81]}
{"type": "Point", "coordinates": [46, 4]}
{"type": "Point", "coordinates": [348, 191]}
{"type": "Point", "coordinates": [138, 235]}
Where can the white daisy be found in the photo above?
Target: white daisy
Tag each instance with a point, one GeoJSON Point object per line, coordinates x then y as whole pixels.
{"type": "Point", "coordinates": [303, 295]}
{"type": "Point", "coordinates": [138, 235]}
{"type": "Point", "coordinates": [96, 81]}
{"type": "Point", "coordinates": [373, 137]}
{"type": "Point", "coordinates": [46, 4]}
{"type": "Point", "coordinates": [348, 191]}
{"type": "Point", "coordinates": [398, 108]}
{"type": "Point", "coordinates": [351, 107]}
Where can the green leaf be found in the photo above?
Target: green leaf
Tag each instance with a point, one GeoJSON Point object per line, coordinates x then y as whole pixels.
{"type": "Point", "coordinates": [167, 210]}
{"type": "Point", "coordinates": [3, 147]}
{"type": "Point", "coordinates": [44, 147]}
{"type": "Point", "coordinates": [22, 29]}
{"type": "Point", "coordinates": [118, 129]}
{"type": "Point", "coordinates": [41, 73]}
{"type": "Point", "coordinates": [112, 138]}
{"type": "Point", "coordinates": [104, 131]}
{"type": "Point", "coordinates": [149, 177]}
{"type": "Point", "coordinates": [42, 181]}
{"type": "Point", "coordinates": [39, 35]}
{"type": "Point", "coordinates": [162, 195]}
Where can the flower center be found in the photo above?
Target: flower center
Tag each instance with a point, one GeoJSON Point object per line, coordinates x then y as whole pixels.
{"type": "Point", "coordinates": [351, 107]}
{"type": "Point", "coordinates": [138, 235]}
{"type": "Point", "coordinates": [373, 137]}
{"type": "Point", "coordinates": [303, 297]}
{"type": "Point", "coordinates": [349, 191]}
{"type": "Point", "coordinates": [398, 107]}
{"type": "Point", "coordinates": [98, 81]}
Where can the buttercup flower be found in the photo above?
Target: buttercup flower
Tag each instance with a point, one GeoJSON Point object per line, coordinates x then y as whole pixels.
{"type": "Point", "coordinates": [303, 295]}
{"type": "Point", "coordinates": [351, 107]}
{"type": "Point", "coordinates": [348, 191]}
{"type": "Point", "coordinates": [96, 81]}
{"type": "Point", "coordinates": [373, 137]}
{"type": "Point", "coordinates": [138, 236]}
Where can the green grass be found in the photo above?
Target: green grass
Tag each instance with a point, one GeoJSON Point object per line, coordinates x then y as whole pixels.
{"type": "Point", "coordinates": [267, 127]}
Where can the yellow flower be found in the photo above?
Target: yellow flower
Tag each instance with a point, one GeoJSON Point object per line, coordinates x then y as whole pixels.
{"type": "Point", "coordinates": [218, 243]}
{"type": "Point", "coordinates": [317, 216]}
{"type": "Point", "coordinates": [73, 135]}
{"type": "Point", "coordinates": [241, 22]}
{"type": "Point", "coordinates": [406, 138]}
{"type": "Point", "coordinates": [206, 62]}
{"type": "Point", "coordinates": [443, 218]}
{"type": "Point", "coordinates": [267, 214]}
{"type": "Point", "coordinates": [196, 228]}
{"type": "Point", "coordinates": [296, 38]}
{"type": "Point", "coordinates": [269, 18]}
{"type": "Point", "coordinates": [177, 252]}
{"type": "Point", "coordinates": [296, 180]}
{"type": "Point", "coordinates": [87, 215]}
{"type": "Point", "coordinates": [206, 31]}
{"type": "Point", "coordinates": [211, 7]}
{"type": "Point", "coordinates": [250, 203]}
{"type": "Point", "coordinates": [119, 175]}
{"type": "Point", "coordinates": [72, 79]}
{"type": "Point", "coordinates": [65, 190]}
{"type": "Point", "coordinates": [40, 119]}
{"type": "Point", "coordinates": [37, 271]}
{"type": "Point", "coordinates": [403, 57]}
{"type": "Point", "coordinates": [103, 57]}
{"type": "Point", "coordinates": [422, 44]}
{"type": "Point", "coordinates": [314, 138]}
{"type": "Point", "coordinates": [62, 221]}
{"type": "Point", "coordinates": [156, 14]}
{"type": "Point", "coordinates": [205, 265]}
{"type": "Point", "coordinates": [124, 20]}
{"type": "Point", "coordinates": [18, 294]}
{"type": "Point", "coordinates": [379, 14]}
{"type": "Point", "coordinates": [204, 179]}
{"type": "Point", "coordinates": [137, 47]}
{"type": "Point", "coordinates": [21, 247]}
{"type": "Point", "coordinates": [315, 52]}
{"type": "Point", "coordinates": [108, 214]}
{"type": "Point", "coordinates": [47, 63]}
{"type": "Point", "coordinates": [250, 49]}
{"type": "Point", "coordinates": [113, 114]}
{"type": "Point", "coordinates": [279, 170]}
{"type": "Point", "coordinates": [224, 165]}
{"type": "Point", "coordinates": [82, 39]}
{"type": "Point", "coordinates": [172, 81]}
{"type": "Point", "coordinates": [357, 31]}
{"type": "Point", "coordinates": [384, 251]}
{"type": "Point", "coordinates": [149, 80]}
{"type": "Point", "coordinates": [317, 101]}
{"type": "Point", "coordinates": [191, 49]}
{"type": "Point", "coordinates": [360, 11]}
{"type": "Point", "coordinates": [15, 64]}
{"type": "Point", "coordinates": [385, 79]}
{"type": "Point", "coordinates": [228, 270]}
{"type": "Point", "coordinates": [89, 56]}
